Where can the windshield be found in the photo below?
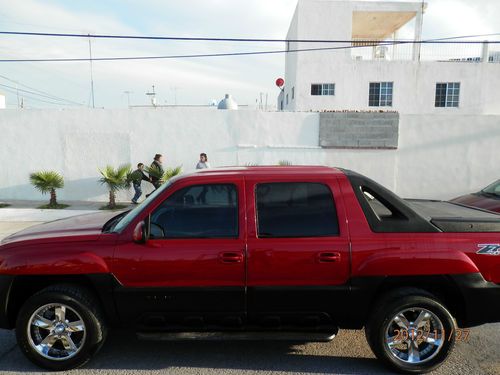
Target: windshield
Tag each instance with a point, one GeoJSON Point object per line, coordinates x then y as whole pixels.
{"type": "Point", "coordinates": [131, 215]}
{"type": "Point", "coordinates": [494, 188]}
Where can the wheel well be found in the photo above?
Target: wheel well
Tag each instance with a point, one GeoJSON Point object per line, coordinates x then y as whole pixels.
{"type": "Point", "coordinates": [23, 287]}
{"type": "Point", "coordinates": [442, 287]}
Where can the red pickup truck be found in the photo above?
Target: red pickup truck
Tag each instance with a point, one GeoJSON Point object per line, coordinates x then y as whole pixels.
{"type": "Point", "coordinates": [282, 253]}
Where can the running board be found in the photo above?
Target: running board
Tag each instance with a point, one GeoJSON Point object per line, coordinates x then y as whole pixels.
{"type": "Point", "coordinates": [238, 336]}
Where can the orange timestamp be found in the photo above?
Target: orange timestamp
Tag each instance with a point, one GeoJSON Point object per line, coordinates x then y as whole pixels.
{"type": "Point", "coordinates": [402, 335]}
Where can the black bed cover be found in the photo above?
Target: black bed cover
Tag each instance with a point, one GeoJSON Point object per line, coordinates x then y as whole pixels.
{"type": "Point", "coordinates": [453, 217]}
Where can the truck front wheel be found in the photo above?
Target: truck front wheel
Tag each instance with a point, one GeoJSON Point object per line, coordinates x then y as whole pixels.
{"type": "Point", "coordinates": [60, 327]}
{"type": "Point", "coordinates": [411, 331]}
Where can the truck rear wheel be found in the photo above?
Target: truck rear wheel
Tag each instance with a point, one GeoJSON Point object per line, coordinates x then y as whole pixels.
{"type": "Point", "coordinates": [60, 327]}
{"type": "Point", "coordinates": [411, 331]}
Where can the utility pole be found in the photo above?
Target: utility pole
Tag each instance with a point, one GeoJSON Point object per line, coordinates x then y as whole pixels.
{"type": "Point", "coordinates": [128, 97]}
{"type": "Point", "coordinates": [175, 88]}
{"type": "Point", "coordinates": [91, 74]}
{"type": "Point", "coordinates": [17, 92]}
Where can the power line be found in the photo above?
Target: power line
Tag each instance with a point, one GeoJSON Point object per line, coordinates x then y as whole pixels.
{"type": "Point", "coordinates": [210, 39]}
{"type": "Point", "coordinates": [34, 98]}
{"type": "Point", "coordinates": [31, 92]}
{"type": "Point", "coordinates": [359, 44]}
{"type": "Point", "coordinates": [38, 92]}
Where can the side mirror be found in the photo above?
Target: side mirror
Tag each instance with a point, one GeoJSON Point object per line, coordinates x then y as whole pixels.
{"type": "Point", "coordinates": [139, 235]}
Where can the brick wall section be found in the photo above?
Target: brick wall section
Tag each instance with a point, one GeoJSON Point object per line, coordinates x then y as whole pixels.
{"type": "Point", "coordinates": [372, 130]}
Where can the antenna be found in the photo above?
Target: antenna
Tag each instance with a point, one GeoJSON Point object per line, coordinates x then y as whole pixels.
{"type": "Point", "coordinates": [152, 95]}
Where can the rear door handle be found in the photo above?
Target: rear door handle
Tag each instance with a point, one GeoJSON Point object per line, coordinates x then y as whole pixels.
{"type": "Point", "coordinates": [329, 257]}
{"type": "Point", "coordinates": [231, 257]}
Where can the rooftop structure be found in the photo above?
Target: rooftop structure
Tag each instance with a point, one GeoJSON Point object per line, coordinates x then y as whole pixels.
{"type": "Point", "coordinates": [379, 70]}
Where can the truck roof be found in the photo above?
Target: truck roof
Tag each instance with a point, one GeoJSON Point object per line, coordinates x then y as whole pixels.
{"type": "Point", "coordinates": [269, 170]}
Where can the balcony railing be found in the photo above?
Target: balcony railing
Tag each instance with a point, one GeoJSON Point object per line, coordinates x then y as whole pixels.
{"type": "Point", "coordinates": [459, 52]}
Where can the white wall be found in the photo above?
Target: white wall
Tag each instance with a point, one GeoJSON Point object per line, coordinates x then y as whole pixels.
{"type": "Point", "coordinates": [414, 85]}
{"type": "Point", "coordinates": [414, 81]}
{"type": "Point", "coordinates": [440, 156]}
{"type": "Point", "coordinates": [2, 101]}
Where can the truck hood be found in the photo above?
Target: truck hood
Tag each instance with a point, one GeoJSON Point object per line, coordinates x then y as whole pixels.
{"type": "Point", "coordinates": [76, 228]}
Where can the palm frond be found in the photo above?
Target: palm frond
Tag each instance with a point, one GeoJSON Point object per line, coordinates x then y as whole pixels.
{"type": "Point", "coordinates": [171, 172]}
{"type": "Point", "coordinates": [45, 181]}
{"type": "Point", "coordinates": [116, 179]}
{"type": "Point", "coordinates": [154, 171]}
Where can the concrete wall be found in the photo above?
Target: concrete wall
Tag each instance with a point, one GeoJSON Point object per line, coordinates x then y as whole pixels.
{"type": "Point", "coordinates": [359, 130]}
{"type": "Point", "coordinates": [439, 156]}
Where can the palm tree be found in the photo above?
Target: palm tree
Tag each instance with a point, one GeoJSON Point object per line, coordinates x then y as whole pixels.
{"type": "Point", "coordinates": [47, 182]}
{"type": "Point", "coordinates": [167, 174]}
{"type": "Point", "coordinates": [171, 172]}
{"type": "Point", "coordinates": [115, 179]}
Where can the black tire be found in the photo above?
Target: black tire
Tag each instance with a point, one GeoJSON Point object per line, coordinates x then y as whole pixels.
{"type": "Point", "coordinates": [381, 321]}
{"type": "Point", "coordinates": [76, 300]}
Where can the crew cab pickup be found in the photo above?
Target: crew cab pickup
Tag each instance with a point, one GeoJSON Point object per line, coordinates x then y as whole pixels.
{"type": "Point", "coordinates": [281, 253]}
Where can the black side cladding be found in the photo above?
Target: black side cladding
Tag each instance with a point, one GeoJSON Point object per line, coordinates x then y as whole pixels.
{"type": "Point", "coordinates": [5, 288]}
{"type": "Point", "coordinates": [403, 218]}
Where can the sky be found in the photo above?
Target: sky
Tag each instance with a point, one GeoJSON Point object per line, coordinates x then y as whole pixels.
{"type": "Point", "coordinates": [187, 81]}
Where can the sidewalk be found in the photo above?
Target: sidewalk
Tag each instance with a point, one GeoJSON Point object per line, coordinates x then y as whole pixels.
{"type": "Point", "coordinates": [23, 214]}
{"type": "Point", "coordinates": [74, 205]}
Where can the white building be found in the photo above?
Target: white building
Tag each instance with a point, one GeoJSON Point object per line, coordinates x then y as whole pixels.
{"type": "Point", "coordinates": [2, 101]}
{"type": "Point", "coordinates": [374, 74]}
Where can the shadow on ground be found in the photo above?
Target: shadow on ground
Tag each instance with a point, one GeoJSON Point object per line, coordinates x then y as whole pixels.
{"type": "Point", "coordinates": [124, 352]}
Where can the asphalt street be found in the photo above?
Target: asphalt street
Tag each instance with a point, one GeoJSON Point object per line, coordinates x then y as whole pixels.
{"type": "Point", "coordinates": [348, 353]}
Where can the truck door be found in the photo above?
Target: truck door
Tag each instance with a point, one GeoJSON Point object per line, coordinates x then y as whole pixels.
{"type": "Point", "coordinates": [190, 273]}
{"type": "Point", "coordinates": [298, 251]}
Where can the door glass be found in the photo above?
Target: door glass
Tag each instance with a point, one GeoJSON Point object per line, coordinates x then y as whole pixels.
{"type": "Point", "coordinates": [295, 210]}
{"type": "Point", "coordinates": [199, 211]}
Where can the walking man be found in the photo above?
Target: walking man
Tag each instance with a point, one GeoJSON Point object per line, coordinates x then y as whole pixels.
{"type": "Point", "coordinates": [157, 166]}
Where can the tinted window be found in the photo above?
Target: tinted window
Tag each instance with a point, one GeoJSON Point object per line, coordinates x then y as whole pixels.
{"type": "Point", "coordinates": [201, 211]}
{"type": "Point", "coordinates": [295, 210]}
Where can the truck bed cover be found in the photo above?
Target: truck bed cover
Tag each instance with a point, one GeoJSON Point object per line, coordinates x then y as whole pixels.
{"type": "Point", "coordinates": [453, 217]}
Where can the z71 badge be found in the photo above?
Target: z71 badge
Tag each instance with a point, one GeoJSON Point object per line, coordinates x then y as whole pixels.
{"type": "Point", "coordinates": [489, 249]}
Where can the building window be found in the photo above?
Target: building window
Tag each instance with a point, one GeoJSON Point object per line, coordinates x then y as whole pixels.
{"type": "Point", "coordinates": [380, 94]}
{"type": "Point", "coordinates": [323, 89]}
{"type": "Point", "coordinates": [286, 99]}
{"type": "Point", "coordinates": [293, 93]}
{"type": "Point", "coordinates": [447, 94]}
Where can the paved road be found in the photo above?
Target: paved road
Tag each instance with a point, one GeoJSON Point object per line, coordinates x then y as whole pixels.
{"type": "Point", "coordinates": [347, 354]}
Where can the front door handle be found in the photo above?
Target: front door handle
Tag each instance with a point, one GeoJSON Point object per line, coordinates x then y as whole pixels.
{"type": "Point", "coordinates": [329, 257]}
{"type": "Point", "coordinates": [231, 257]}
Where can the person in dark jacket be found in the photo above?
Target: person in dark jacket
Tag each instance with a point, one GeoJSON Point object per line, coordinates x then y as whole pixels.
{"type": "Point", "coordinates": [137, 177]}
{"type": "Point", "coordinates": [158, 165]}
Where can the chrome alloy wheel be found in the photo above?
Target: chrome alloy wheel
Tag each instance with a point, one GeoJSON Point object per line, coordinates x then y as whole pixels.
{"type": "Point", "coordinates": [415, 335]}
{"type": "Point", "coordinates": [56, 332]}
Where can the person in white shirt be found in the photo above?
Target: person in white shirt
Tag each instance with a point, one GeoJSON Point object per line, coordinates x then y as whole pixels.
{"type": "Point", "coordinates": [203, 163]}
